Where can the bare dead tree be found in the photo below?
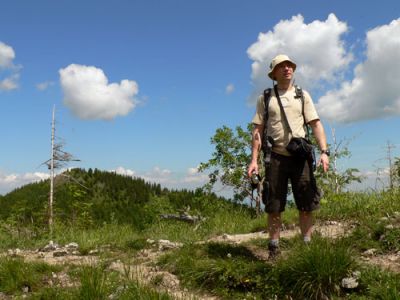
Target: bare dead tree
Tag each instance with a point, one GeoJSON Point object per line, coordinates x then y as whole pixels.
{"type": "Point", "coordinates": [389, 148]}
{"type": "Point", "coordinates": [58, 159]}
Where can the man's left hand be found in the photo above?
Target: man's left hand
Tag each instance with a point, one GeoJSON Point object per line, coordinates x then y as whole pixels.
{"type": "Point", "coordinates": [324, 161]}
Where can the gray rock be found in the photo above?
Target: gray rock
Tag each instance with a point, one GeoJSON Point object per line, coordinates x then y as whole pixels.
{"type": "Point", "coordinates": [166, 245]}
{"type": "Point", "coordinates": [72, 246]}
{"type": "Point", "coordinates": [14, 252]}
{"type": "Point", "coordinates": [349, 283]}
{"type": "Point", "coordinates": [369, 252]}
{"type": "Point", "coordinates": [51, 246]}
{"type": "Point", "coordinates": [94, 252]}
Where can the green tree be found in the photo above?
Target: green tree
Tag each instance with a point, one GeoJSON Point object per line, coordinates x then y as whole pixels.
{"type": "Point", "coordinates": [335, 181]}
{"type": "Point", "coordinates": [230, 160]}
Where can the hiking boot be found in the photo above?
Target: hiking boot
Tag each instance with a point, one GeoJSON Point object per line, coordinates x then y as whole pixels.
{"type": "Point", "coordinates": [273, 252]}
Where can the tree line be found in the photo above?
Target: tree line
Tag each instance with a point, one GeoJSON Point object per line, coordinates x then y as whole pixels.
{"type": "Point", "coordinates": [87, 198]}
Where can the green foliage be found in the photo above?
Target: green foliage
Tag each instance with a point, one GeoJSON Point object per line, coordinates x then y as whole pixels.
{"type": "Point", "coordinates": [97, 282]}
{"type": "Point", "coordinates": [315, 271]}
{"type": "Point", "coordinates": [308, 272]}
{"type": "Point", "coordinates": [25, 206]}
{"type": "Point", "coordinates": [15, 274]}
{"type": "Point", "coordinates": [363, 207]}
{"type": "Point", "coordinates": [221, 217]}
{"type": "Point", "coordinates": [376, 218]}
{"type": "Point", "coordinates": [134, 290]}
{"type": "Point", "coordinates": [114, 235]}
{"type": "Point", "coordinates": [230, 271]}
{"type": "Point", "coordinates": [223, 269]}
{"type": "Point", "coordinates": [94, 282]}
{"type": "Point", "coordinates": [379, 284]}
{"type": "Point", "coordinates": [53, 293]}
{"type": "Point", "coordinates": [230, 160]}
{"type": "Point", "coordinates": [335, 180]}
{"type": "Point", "coordinates": [14, 235]}
{"type": "Point", "coordinates": [93, 198]}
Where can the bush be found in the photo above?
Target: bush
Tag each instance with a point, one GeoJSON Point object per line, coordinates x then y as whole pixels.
{"type": "Point", "coordinates": [315, 271]}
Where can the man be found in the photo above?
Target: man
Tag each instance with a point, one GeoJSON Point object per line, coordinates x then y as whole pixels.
{"type": "Point", "coordinates": [283, 166]}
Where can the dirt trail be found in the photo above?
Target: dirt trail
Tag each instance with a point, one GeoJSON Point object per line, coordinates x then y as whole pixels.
{"type": "Point", "coordinates": [330, 229]}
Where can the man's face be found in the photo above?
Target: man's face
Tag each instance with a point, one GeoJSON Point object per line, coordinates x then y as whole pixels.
{"type": "Point", "coordinates": [283, 71]}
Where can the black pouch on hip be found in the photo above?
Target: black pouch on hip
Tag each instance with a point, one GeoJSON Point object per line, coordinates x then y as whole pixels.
{"type": "Point", "coordinates": [300, 147]}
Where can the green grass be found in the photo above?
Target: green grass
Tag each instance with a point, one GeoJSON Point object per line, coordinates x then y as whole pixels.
{"type": "Point", "coordinates": [54, 293]}
{"type": "Point", "coordinates": [375, 218]}
{"type": "Point", "coordinates": [360, 207]}
{"type": "Point", "coordinates": [94, 283]}
{"type": "Point", "coordinates": [219, 222]}
{"type": "Point", "coordinates": [226, 270]}
{"type": "Point", "coordinates": [233, 272]}
{"type": "Point", "coordinates": [376, 283]}
{"type": "Point", "coordinates": [136, 291]}
{"type": "Point", "coordinates": [312, 271]}
{"type": "Point", "coordinates": [14, 236]}
{"type": "Point", "coordinates": [16, 275]}
{"type": "Point", "coordinates": [116, 236]}
{"type": "Point", "coordinates": [229, 271]}
{"type": "Point", "coordinates": [98, 283]}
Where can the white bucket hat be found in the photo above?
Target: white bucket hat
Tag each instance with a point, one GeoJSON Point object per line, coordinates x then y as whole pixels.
{"type": "Point", "coordinates": [276, 61]}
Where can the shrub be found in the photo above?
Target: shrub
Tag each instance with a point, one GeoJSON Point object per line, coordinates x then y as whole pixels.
{"type": "Point", "coordinates": [314, 271]}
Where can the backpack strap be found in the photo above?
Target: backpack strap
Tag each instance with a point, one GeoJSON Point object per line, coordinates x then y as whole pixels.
{"type": "Point", "coordinates": [267, 97]}
{"type": "Point", "coordinates": [266, 144]}
{"type": "Point", "coordinates": [300, 94]}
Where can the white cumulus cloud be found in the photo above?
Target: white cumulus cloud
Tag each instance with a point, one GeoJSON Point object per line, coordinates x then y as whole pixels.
{"type": "Point", "coordinates": [9, 83]}
{"type": "Point", "coordinates": [229, 88]}
{"type": "Point", "coordinates": [374, 91]}
{"type": "Point", "coordinates": [190, 179]}
{"type": "Point", "coordinates": [317, 48]}
{"type": "Point", "coordinates": [194, 176]}
{"type": "Point", "coordinates": [8, 182]}
{"type": "Point", "coordinates": [7, 55]}
{"type": "Point", "coordinates": [163, 176]}
{"type": "Point", "coordinates": [90, 96]}
{"type": "Point", "coordinates": [10, 79]}
{"type": "Point", "coordinates": [123, 171]}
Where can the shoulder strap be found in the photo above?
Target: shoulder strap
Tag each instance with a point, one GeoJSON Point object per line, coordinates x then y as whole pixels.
{"type": "Point", "coordinates": [267, 97]}
{"type": "Point", "coordinates": [281, 107]}
{"type": "Point", "coordinates": [266, 144]}
{"type": "Point", "coordinates": [300, 94]}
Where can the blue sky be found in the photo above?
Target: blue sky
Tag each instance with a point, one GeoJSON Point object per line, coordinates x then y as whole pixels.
{"type": "Point", "coordinates": [141, 86]}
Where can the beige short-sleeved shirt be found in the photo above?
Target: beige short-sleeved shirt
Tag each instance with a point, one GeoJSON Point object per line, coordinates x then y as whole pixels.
{"type": "Point", "coordinates": [277, 127]}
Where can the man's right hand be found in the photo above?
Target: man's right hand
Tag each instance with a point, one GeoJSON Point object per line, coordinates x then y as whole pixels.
{"type": "Point", "coordinates": [253, 168]}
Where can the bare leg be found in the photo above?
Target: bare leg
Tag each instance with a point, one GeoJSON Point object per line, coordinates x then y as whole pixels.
{"type": "Point", "coordinates": [306, 223]}
{"type": "Point", "coordinates": [274, 225]}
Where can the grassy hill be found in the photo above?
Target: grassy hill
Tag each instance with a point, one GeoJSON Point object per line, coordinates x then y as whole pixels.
{"type": "Point", "coordinates": [93, 197]}
{"type": "Point", "coordinates": [102, 210]}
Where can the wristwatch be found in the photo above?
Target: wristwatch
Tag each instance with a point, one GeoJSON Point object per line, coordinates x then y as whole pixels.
{"type": "Point", "coordinates": [326, 151]}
